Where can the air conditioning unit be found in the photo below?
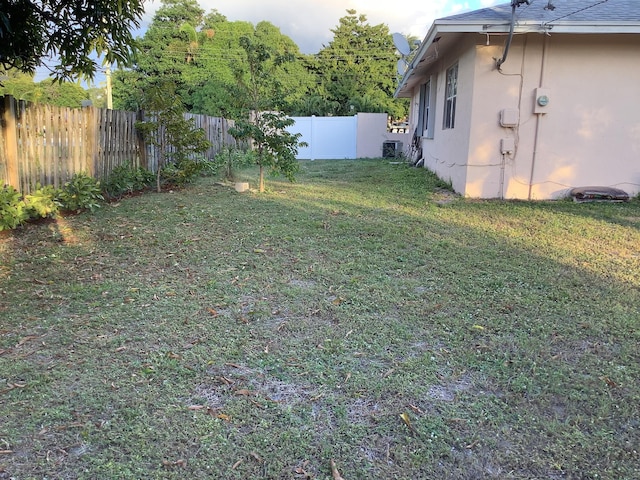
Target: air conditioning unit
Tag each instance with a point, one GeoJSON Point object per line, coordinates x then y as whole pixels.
{"type": "Point", "coordinates": [392, 149]}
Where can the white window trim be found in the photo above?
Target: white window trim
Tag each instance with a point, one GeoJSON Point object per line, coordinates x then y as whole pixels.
{"type": "Point", "coordinates": [450, 97]}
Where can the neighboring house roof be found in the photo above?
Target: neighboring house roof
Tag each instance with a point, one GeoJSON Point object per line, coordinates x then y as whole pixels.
{"type": "Point", "coordinates": [543, 16]}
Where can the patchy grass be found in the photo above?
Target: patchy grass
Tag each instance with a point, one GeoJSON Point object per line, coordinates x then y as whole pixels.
{"type": "Point", "coordinates": [362, 315]}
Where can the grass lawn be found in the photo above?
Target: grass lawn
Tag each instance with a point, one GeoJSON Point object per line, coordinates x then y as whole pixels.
{"type": "Point", "coordinates": [361, 315]}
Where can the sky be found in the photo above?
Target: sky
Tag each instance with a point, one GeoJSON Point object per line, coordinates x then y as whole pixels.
{"type": "Point", "coordinates": [309, 22]}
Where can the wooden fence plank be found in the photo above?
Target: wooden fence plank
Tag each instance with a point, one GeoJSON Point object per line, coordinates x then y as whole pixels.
{"type": "Point", "coordinates": [9, 127]}
{"type": "Point", "coordinates": [47, 145]}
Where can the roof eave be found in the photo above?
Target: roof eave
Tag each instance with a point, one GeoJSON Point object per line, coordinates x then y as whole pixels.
{"type": "Point", "coordinates": [420, 54]}
{"type": "Point", "coordinates": [440, 27]}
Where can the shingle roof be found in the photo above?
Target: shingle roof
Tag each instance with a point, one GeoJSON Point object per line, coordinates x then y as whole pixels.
{"type": "Point", "coordinates": [543, 16]}
{"type": "Point", "coordinates": [565, 11]}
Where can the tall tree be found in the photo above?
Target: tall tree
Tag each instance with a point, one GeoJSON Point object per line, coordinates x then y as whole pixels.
{"type": "Point", "coordinates": [19, 85]}
{"type": "Point", "coordinates": [264, 123]}
{"type": "Point", "coordinates": [223, 59]}
{"type": "Point", "coordinates": [212, 78]}
{"type": "Point", "coordinates": [202, 54]}
{"type": "Point", "coordinates": [63, 94]}
{"type": "Point", "coordinates": [165, 51]}
{"type": "Point", "coordinates": [70, 30]}
{"type": "Point", "coordinates": [358, 67]}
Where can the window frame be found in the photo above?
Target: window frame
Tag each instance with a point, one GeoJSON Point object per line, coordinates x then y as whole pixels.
{"type": "Point", "coordinates": [450, 97]}
{"type": "Point", "coordinates": [424, 107]}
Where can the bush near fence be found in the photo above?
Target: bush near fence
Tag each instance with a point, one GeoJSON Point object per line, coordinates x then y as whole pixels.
{"type": "Point", "coordinates": [47, 145]}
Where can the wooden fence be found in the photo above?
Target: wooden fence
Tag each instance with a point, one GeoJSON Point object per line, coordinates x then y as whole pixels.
{"type": "Point", "coordinates": [47, 145]}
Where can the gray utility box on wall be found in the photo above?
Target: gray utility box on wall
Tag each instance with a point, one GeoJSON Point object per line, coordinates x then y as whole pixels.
{"type": "Point", "coordinates": [391, 149]}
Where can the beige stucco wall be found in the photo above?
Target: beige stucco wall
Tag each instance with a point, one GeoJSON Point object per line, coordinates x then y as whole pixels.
{"type": "Point", "coordinates": [447, 152]}
{"type": "Point", "coordinates": [589, 134]}
{"type": "Point", "coordinates": [372, 133]}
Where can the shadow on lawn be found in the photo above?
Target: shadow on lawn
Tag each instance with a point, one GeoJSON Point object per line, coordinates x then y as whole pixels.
{"type": "Point", "coordinates": [303, 323]}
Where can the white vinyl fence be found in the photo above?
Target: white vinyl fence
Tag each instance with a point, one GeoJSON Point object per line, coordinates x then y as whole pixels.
{"type": "Point", "coordinates": [335, 138]}
{"type": "Point", "coordinates": [328, 138]}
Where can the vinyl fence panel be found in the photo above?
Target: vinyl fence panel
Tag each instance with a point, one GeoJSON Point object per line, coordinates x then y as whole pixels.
{"type": "Point", "coordinates": [329, 138]}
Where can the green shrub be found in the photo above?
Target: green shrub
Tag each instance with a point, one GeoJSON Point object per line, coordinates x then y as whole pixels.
{"type": "Point", "coordinates": [13, 211]}
{"type": "Point", "coordinates": [43, 202]}
{"type": "Point", "coordinates": [182, 172]}
{"type": "Point", "coordinates": [126, 179]}
{"type": "Point", "coordinates": [82, 192]}
{"type": "Point", "coordinates": [230, 159]}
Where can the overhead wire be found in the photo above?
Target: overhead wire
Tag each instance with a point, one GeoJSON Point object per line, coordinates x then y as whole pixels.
{"type": "Point", "coordinates": [577, 11]}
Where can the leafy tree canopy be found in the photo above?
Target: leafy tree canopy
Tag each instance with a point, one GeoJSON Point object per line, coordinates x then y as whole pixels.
{"type": "Point", "coordinates": [203, 55]}
{"type": "Point", "coordinates": [62, 94]}
{"type": "Point", "coordinates": [74, 32]}
{"type": "Point", "coordinates": [358, 67]}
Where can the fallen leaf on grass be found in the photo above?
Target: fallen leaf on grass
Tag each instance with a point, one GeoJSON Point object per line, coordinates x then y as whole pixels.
{"type": "Point", "coordinates": [177, 463]}
{"type": "Point", "coordinates": [478, 327]}
{"type": "Point", "coordinates": [225, 380]}
{"type": "Point", "coordinates": [25, 340]}
{"type": "Point", "coordinates": [244, 392]}
{"type": "Point", "coordinates": [120, 349]}
{"type": "Point", "coordinates": [407, 421]}
{"type": "Point", "coordinates": [213, 312]}
{"type": "Point", "coordinates": [256, 457]}
{"type": "Point", "coordinates": [235, 465]}
{"type": "Point", "coordinates": [195, 407]}
{"type": "Point", "coordinates": [191, 344]}
{"type": "Point", "coordinates": [610, 382]}
{"type": "Point", "coordinates": [173, 355]}
{"type": "Point", "coordinates": [12, 386]}
{"type": "Point", "coordinates": [334, 471]}
{"type": "Point", "coordinates": [301, 470]}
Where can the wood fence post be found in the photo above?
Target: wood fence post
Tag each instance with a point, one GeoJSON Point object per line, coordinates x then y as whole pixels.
{"type": "Point", "coordinates": [9, 129]}
{"type": "Point", "coordinates": [142, 146]}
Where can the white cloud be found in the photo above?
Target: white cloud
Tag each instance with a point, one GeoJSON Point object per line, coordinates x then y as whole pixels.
{"type": "Point", "coordinates": [309, 22]}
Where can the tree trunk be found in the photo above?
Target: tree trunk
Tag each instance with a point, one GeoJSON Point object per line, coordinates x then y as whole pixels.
{"type": "Point", "coordinates": [261, 184]}
{"type": "Point", "coordinates": [160, 162]}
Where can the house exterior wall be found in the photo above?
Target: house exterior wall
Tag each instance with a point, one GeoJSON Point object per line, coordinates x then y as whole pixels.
{"type": "Point", "coordinates": [588, 134]}
{"type": "Point", "coordinates": [372, 132]}
{"type": "Point", "coordinates": [447, 152]}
